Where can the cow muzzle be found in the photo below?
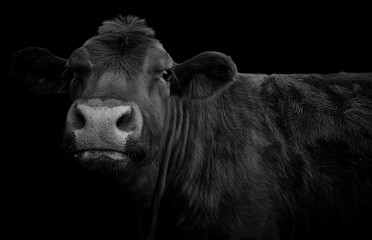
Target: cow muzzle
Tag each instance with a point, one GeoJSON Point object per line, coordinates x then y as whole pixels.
{"type": "Point", "coordinates": [100, 131]}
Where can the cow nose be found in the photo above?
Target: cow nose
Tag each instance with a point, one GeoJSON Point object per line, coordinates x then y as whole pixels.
{"type": "Point", "coordinates": [98, 124]}
{"type": "Point", "coordinates": [119, 117]}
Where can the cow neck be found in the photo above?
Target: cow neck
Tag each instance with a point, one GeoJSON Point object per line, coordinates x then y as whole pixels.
{"type": "Point", "coordinates": [174, 148]}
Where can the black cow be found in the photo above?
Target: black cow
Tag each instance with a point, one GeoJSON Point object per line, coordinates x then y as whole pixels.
{"type": "Point", "coordinates": [210, 153]}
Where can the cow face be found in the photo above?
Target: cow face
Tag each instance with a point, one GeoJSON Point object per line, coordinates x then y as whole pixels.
{"type": "Point", "coordinates": [119, 105]}
{"type": "Point", "coordinates": [122, 83]}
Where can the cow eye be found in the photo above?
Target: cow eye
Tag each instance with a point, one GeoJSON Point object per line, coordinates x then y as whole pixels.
{"type": "Point", "coordinates": [166, 75]}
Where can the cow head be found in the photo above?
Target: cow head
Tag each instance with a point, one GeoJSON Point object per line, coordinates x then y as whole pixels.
{"type": "Point", "coordinates": [122, 83]}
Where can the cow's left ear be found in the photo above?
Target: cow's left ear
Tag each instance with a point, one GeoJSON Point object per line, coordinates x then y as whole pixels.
{"type": "Point", "coordinates": [203, 75]}
{"type": "Point", "coordinates": [41, 71]}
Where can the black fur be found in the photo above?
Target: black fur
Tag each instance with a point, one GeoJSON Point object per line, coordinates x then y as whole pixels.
{"type": "Point", "coordinates": [284, 156]}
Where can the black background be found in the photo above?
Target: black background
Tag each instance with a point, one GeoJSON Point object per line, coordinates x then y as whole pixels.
{"type": "Point", "coordinates": [48, 195]}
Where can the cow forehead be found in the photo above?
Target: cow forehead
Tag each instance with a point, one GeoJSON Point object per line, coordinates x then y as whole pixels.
{"type": "Point", "coordinates": [111, 77]}
{"type": "Point", "coordinates": [124, 67]}
{"type": "Point", "coordinates": [124, 44]}
{"type": "Point", "coordinates": [98, 59]}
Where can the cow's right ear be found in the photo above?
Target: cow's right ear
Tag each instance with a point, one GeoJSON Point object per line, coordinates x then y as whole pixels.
{"type": "Point", "coordinates": [41, 71]}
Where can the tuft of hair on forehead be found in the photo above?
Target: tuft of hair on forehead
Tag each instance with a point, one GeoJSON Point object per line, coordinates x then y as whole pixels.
{"type": "Point", "coordinates": [122, 32]}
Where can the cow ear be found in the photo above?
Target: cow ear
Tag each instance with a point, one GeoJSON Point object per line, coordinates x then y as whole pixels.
{"type": "Point", "coordinates": [40, 71]}
{"type": "Point", "coordinates": [203, 75]}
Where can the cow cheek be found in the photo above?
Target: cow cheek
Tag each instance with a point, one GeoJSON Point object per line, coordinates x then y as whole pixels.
{"type": "Point", "coordinates": [155, 113]}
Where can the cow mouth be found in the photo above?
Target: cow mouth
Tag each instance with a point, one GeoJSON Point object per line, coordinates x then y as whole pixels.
{"type": "Point", "coordinates": [117, 161]}
{"type": "Point", "coordinates": [91, 155]}
{"type": "Point", "coordinates": [109, 162]}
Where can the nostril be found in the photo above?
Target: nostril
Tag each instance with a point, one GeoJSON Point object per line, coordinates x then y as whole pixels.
{"type": "Point", "coordinates": [79, 119]}
{"type": "Point", "coordinates": [124, 121]}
